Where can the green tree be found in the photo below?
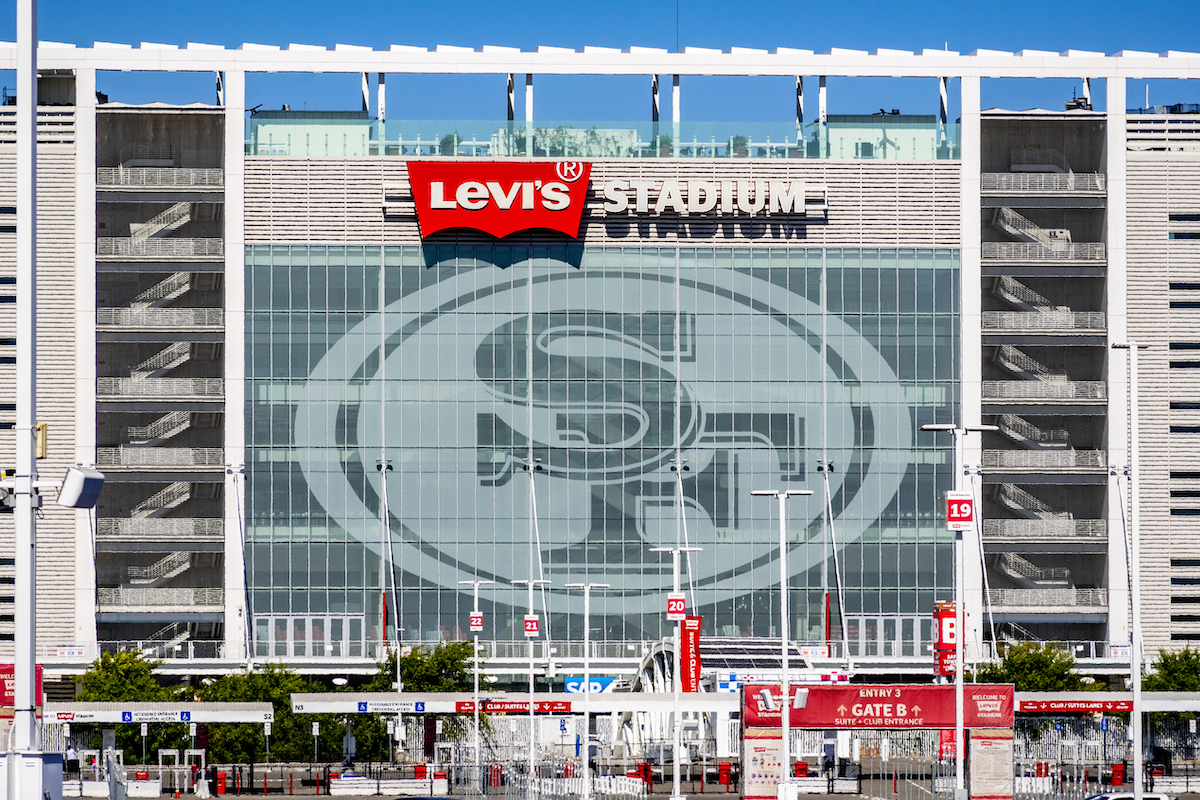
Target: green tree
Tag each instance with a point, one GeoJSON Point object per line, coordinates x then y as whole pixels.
{"type": "Point", "coordinates": [127, 677]}
{"type": "Point", "coordinates": [291, 733]}
{"type": "Point", "coordinates": [1036, 667]}
{"type": "Point", "coordinates": [1174, 672]}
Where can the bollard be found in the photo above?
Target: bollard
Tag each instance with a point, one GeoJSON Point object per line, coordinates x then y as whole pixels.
{"type": "Point", "coordinates": [895, 782]}
{"type": "Point", "coordinates": [290, 775]}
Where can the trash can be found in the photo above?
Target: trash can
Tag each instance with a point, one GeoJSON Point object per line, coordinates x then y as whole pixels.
{"type": "Point", "coordinates": [1118, 774]}
{"type": "Point", "coordinates": [221, 788]}
{"type": "Point", "coordinates": [801, 769]}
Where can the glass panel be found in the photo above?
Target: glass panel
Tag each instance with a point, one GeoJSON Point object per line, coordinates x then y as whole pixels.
{"type": "Point", "coordinates": [318, 637]}
{"type": "Point", "coordinates": [281, 637]}
{"type": "Point", "coordinates": [299, 643]}
{"type": "Point", "coordinates": [337, 643]}
{"type": "Point", "coordinates": [356, 640]}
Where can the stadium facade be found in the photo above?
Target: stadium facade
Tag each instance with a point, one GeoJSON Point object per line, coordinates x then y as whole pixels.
{"type": "Point", "coordinates": [336, 364]}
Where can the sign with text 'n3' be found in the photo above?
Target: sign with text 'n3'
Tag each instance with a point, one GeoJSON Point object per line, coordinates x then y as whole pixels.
{"type": "Point", "coordinates": [499, 197]}
{"type": "Point", "coordinates": [960, 511]}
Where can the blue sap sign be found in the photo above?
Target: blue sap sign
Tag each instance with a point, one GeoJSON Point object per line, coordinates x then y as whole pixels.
{"type": "Point", "coordinates": [574, 684]}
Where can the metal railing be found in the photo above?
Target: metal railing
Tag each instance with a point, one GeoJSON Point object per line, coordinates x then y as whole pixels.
{"type": "Point", "coordinates": [1020, 226]}
{"type": "Point", "coordinates": [563, 649]}
{"type": "Point", "coordinates": [160, 317]}
{"type": "Point", "coordinates": [147, 152]}
{"type": "Point", "coordinates": [1027, 251]}
{"type": "Point", "coordinates": [164, 427]}
{"type": "Point", "coordinates": [1019, 565]}
{"type": "Point", "coordinates": [192, 529]}
{"type": "Point", "coordinates": [1042, 182]}
{"type": "Point", "coordinates": [1017, 498]}
{"type": "Point", "coordinates": [174, 217]}
{"type": "Point", "coordinates": [1037, 157]}
{"type": "Point", "coordinates": [1044, 320]}
{"type": "Point", "coordinates": [171, 496]}
{"type": "Point", "coordinates": [166, 649]}
{"type": "Point", "coordinates": [1016, 360]}
{"type": "Point", "coordinates": [172, 563]}
{"type": "Point", "coordinates": [160, 456]}
{"type": "Point", "coordinates": [1048, 598]}
{"type": "Point", "coordinates": [160, 387]}
{"type": "Point", "coordinates": [170, 356]}
{"type": "Point", "coordinates": [128, 596]}
{"type": "Point", "coordinates": [158, 176]}
{"type": "Point", "coordinates": [126, 246]}
{"type": "Point", "coordinates": [1046, 528]}
{"type": "Point", "coordinates": [173, 285]}
{"type": "Point", "coordinates": [1045, 459]}
{"type": "Point", "coordinates": [1011, 289]}
{"type": "Point", "coordinates": [1044, 390]}
{"type": "Point", "coordinates": [1021, 428]}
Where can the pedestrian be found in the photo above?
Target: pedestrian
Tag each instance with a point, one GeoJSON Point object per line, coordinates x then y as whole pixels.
{"type": "Point", "coordinates": [829, 771]}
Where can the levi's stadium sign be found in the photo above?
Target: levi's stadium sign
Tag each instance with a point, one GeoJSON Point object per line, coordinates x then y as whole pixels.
{"type": "Point", "coordinates": [503, 197]}
{"type": "Point", "coordinates": [499, 197]}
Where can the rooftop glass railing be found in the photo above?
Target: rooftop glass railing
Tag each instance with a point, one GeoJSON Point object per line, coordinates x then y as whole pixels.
{"type": "Point", "coordinates": [873, 138]}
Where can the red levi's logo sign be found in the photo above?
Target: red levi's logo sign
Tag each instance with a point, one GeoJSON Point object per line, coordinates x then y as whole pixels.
{"type": "Point", "coordinates": [499, 197]}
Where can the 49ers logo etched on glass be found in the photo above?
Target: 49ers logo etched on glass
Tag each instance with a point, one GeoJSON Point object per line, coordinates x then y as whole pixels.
{"type": "Point", "coordinates": [499, 197]}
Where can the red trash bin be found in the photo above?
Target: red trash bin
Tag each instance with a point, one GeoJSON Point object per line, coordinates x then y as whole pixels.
{"type": "Point", "coordinates": [724, 773]}
{"type": "Point", "coordinates": [801, 769]}
{"type": "Point", "coordinates": [221, 783]}
{"type": "Point", "coordinates": [419, 771]}
{"type": "Point", "coordinates": [1118, 774]}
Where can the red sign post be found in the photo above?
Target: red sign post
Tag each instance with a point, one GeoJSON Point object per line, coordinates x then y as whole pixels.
{"type": "Point", "coordinates": [531, 625]}
{"type": "Point", "coordinates": [960, 511]}
{"type": "Point", "coordinates": [945, 637]}
{"type": "Point", "coordinates": [690, 655]}
{"type": "Point", "coordinates": [676, 607]}
{"type": "Point", "coordinates": [476, 621]}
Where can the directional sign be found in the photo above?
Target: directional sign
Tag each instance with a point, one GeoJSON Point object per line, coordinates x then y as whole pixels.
{"type": "Point", "coordinates": [159, 712]}
{"type": "Point", "coordinates": [349, 704]}
{"type": "Point", "coordinates": [887, 706]}
{"type": "Point", "coordinates": [476, 621]}
{"type": "Point", "coordinates": [391, 707]}
{"type": "Point", "coordinates": [1060, 706]}
{"type": "Point", "coordinates": [960, 511]}
{"type": "Point", "coordinates": [676, 607]}
{"type": "Point", "coordinates": [531, 625]}
{"type": "Point", "coordinates": [514, 707]}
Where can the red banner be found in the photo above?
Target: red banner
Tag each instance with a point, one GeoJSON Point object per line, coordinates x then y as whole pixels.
{"type": "Point", "coordinates": [888, 706]}
{"type": "Point", "coordinates": [514, 707]}
{"type": "Point", "coordinates": [690, 654]}
{"type": "Point", "coordinates": [499, 197]}
{"type": "Point", "coordinates": [8, 690]}
{"type": "Point", "coordinates": [1067, 706]}
{"type": "Point", "coordinates": [945, 625]}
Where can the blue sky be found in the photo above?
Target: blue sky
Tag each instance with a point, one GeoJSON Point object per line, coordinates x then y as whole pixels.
{"type": "Point", "coordinates": [1101, 25]}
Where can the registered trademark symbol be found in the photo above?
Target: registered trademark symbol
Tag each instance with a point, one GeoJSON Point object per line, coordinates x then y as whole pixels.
{"type": "Point", "coordinates": [569, 171]}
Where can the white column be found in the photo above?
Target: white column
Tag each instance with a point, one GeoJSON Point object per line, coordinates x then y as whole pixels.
{"type": "Point", "coordinates": [235, 367]}
{"type": "Point", "coordinates": [529, 114]}
{"type": "Point", "coordinates": [1118, 331]}
{"type": "Point", "coordinates": [675, 118]}
{"type": "Point", "coordinates": [85, 349]}
{"type": "Point", "coordinates": [822, 119]}
{"type": "Point", "coordinates": [800, 146]}
{"type": "Point", "coordinates": [970, 368]}
{"type": "Point", "coordinates": [943, 110]}
{"type": "Point", "coordinates": [366, 91]}
{"type": "Point", "coordinates": [382, 89]}
{"type": "Point", "coordinates": [25, 770]}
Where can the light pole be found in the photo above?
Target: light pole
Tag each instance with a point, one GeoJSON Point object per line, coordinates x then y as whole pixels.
{"type": "Point", "coordinates": [1135, 578]}
{"type": "Point", "coordinates": [531, 635]}
{"type": "Point", "coordinates": [475, 628]}
{"type": "Point", "coordinates": [959, 578]}
{"type": "Point", "coordinates": [675, 675]}
{"type": "Point", "coordinates": [587, 679]}
{"type": "Point", "coordinates": [784, 639]}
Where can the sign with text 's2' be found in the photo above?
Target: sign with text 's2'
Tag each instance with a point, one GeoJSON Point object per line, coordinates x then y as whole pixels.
{"type": "Point", "coordinates": [885, 706]}
{"type": "Point", "coordinates": [499, 197]}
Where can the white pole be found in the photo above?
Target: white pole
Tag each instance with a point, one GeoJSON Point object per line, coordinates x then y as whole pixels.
{"type": "Point", "coordinates": [676, 676]}
{"type": "Point", "coordinates": [1135, 576]}
{"type": "Point", "coordinates": [959, 434]}
{"type": "Point", "coordinates": [784, 638]}
{"type": "Point", "coordinates": [587, 679]}
{"type": "Point", "coordinates": [26, 775]}
{"type": "Point", "coordinates": [475, 609]}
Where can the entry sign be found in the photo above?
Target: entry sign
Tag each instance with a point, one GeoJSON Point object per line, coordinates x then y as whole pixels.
{"type": "Point", "coordinates": [476, 621]}
{"type": "Point", "coordinates": [531, 625]}
{"type": "Point", "coordinates": [676, 607]}
{"type": "Point", "coordinates": [960, 511]}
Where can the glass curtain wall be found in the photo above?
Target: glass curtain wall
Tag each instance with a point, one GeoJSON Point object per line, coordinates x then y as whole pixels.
{"type": "Point", "coordinates": [755, 365]}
